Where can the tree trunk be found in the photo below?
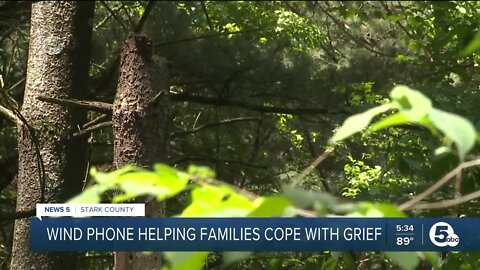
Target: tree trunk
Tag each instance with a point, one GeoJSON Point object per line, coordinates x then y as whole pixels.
{"type": "Point", "coordinates": [140, 125]}
{"type": "Point", "coordinates": [58, 63]}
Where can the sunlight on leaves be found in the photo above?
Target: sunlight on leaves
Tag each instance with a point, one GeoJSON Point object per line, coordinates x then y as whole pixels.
{"type": "Point", "coordinates": [217, 201]}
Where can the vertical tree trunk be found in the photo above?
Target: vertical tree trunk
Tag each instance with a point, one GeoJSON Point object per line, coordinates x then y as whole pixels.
{"type": "Point", "coordinates": [58, 63]}
{"type": "Point", "coordinates": [139, 125]}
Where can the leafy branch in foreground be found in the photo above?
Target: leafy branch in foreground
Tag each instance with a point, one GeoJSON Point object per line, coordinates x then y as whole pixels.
{"type": "Point", "coordinates": [413, 108]}
{"type": "Point", "coordinates": [213, 198]}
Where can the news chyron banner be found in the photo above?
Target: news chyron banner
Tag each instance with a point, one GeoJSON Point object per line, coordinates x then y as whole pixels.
{"type": "Point", "coordinates": [111, 227]}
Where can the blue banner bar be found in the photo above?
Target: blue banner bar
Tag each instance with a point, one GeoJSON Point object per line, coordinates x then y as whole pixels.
{"type": "Point", "coordinates": [255, 234]}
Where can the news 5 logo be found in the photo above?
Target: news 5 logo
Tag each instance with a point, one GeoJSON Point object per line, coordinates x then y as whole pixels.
{"type": "Point", "coordinates": [442, 235]}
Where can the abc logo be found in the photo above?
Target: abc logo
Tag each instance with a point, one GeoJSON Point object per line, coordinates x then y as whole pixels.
{"type": "Point", "coordinates": [442, 235]}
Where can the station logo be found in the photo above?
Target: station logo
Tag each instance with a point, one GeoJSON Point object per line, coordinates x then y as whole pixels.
{"type": "Point", "coordinates": [442, 234]}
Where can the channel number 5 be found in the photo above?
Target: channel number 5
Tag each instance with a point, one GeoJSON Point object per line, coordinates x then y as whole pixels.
{"type": "Point", "coordinates": [442, 234]}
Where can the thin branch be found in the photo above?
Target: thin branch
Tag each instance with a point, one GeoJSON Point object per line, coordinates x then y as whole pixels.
{"type": "Point", "coordinates": [127, 14]}
{"type": "Point", "coordinates": [103, 21]}
{"type": "Point", "coordinates": [217, 160]}
{"type": "Point", "coordinates": [389, 12]}
{"type": "Point", "coordinates": [114, 15]}
{"type": "Point", "coordinates": [214, 124]}
{"type": "Point", "coordinates": [93, 128]}
{"type": "Point", "coordinates": [144, 17]}
{"type": "Point", "coordinates": [95, 121]}
{"type": "Point", "coordinates": [251, 106]}
{"type": "Point", "coordinates": [10, 116]}
{"type": "Point", "coordinates": [271, 96]}
{"type": "Point", "coordinates": [205, 11]}
{"type": "Point", "coordinates": [107, 107]}
{"type": "Point", "coordinates": [313, 153]}
{"type": "Point", "coordinates": [11, 104]}
{"type": "Point", "coordinates": [17, 215]}
{"type": "Point", "coordinates": [8, 34]}
{"type": "Point", "coordinates": [411, 203]}
{"type": "Point", "coordinates": [358, 41]}
{"type": "Point", "coordinates": [173, 42]}
{"type": "Point", "coordinates": [448, 203]}
{"type": "Point", "coordinates": [84, 104]}
{"type": "Point", "coordinates": [312, 166]}
{"type": "Point", "coordinates": [12, 53]}
{"type": "Point", "coordinates": [16, 84]}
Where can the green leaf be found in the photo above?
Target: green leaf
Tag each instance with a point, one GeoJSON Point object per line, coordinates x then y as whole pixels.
{"type": "Point", "coordinates": [162, 185]}
{"type": "Point", "coordinates": [217, 201]}
{"type": "Point", "coordinates": [406, 260]}
{"type": "Point", "coordinates": [357, 123]}
{"type": "Point", "coordinates": [110, 179]}
{"type": "Point", "coordinates": [473, 46]}
{"type": "Point", "coordinates": [412, 103]}
{"type": "Point", "coordinates": [167, 173]}
{"type": "Point", "coordinates": [270, 206]}
{"type": "Point", "coordinates": [233, 257]}
{"type": "Point", "coordinates": [414, 107]}
{"type": "Point", "coordinates": [186, 260]}
{"type": "Point", "coordinates": [392, 120]}
{"type": "Point", "coordinates": [456, 128]}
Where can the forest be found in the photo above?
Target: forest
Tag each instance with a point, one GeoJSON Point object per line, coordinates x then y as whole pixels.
{"type": "Point", "coordinates": [239, 109]}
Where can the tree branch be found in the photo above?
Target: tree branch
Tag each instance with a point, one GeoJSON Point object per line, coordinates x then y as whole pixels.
{"type": "Point", "coordinates": [215, 160]}
{"type": "Point", "coordinates": [107, 107]}
{"type": "Point", "coordinates": [389, 12]}
{"type": "Point", "coordinates": [312, 166]}
{"type": "Point", "coordinates": [411, 204]}
{"type": "Point", "coordinates": [114, 15]}
{"type": "Point", "coordinates": [250, 106]}
{"type": "Point", "coordinates": [95, 121]}
{"type": "Point", "coordinates": [358, 41]}
{"type": "Point", "coordinates": [207, 17]}
{"type": "Point", "coordinates": [10, 115]}
{"type": "Point", "coordinates": [143, 19]}
{"type": "Point", "coordinates": [173, 42]}
{"type": "Point", "coordinates": [214, 124]}
{"type": "Point", "coordinates": [313, 153]}
{"type": "Point", "coordinates": [17, 215]}
{"type": "Point", "coordinates": [93, 128]}
{"type": "Point", "coordinates": [448, 203]}
{"type": "Point", "coordinates": [83, 104]}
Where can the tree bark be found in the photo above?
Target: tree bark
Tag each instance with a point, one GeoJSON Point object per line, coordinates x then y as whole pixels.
{"type": "Point", "coordinates": [58, 62]}
{"type": "Point", "coordinates": [140, 120]}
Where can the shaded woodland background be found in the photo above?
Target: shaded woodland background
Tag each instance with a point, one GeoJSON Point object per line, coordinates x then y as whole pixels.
{"type": "Point", "coordinates": [257, 89]}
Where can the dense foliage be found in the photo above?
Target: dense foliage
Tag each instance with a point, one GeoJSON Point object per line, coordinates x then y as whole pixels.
{"type": "Point", "coordinates": [259, 90]}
